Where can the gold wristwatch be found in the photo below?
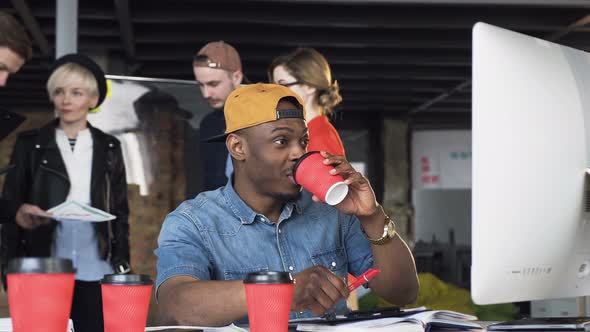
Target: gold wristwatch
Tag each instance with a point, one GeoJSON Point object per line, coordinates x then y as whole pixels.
{"type": "Point", "coordinates": [388, 232]}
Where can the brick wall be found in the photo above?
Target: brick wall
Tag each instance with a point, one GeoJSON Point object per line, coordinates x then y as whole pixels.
{"type": "Point", "coordinates": [146, 212]}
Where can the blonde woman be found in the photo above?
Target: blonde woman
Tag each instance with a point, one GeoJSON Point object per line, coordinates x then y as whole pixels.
{"type": "Point", "coordinates": [308, 74]}
{"type": "Point", "coordinates": [65, 160]}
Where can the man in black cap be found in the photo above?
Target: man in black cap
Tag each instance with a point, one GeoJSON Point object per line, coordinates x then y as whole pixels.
{"type": "Point", "coordinates": [15, 50]}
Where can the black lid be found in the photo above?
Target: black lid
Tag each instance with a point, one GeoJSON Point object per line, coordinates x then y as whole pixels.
{"type": "Point", "coordinates": [40, 265]}
{"type": "Point", "coordinates": [299, 162]}
{"type": "Point", "coordinates": [269, 277]}
{"type": "Point", "coordinates": [127, 279]}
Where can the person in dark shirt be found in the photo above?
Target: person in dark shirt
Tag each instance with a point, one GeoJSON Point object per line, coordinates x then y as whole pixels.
{"type": "Point", "coordinates": [15, 50]}
{"type": "Point", "coordinates": [218, 71]}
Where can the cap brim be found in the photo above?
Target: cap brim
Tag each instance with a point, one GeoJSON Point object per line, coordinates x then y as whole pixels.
{"type": "Point", "coordinates": [216, 138]}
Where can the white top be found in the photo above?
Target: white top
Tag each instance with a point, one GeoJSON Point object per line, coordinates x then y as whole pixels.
{"type": "Point", "coordinates": [77, 240]}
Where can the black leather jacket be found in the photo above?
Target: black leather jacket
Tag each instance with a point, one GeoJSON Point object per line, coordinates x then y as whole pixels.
{"type": "Point", "coordinates": [40, 177]}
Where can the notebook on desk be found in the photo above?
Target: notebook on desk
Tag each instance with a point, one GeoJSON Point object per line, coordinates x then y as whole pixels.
{"type": "Point", "coordinates": [356, 315]}
{"type": "Point", "coordinates": [417, 320]}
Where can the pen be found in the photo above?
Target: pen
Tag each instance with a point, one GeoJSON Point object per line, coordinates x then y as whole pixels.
{"type": "Point", "coordinates": [363, 278]}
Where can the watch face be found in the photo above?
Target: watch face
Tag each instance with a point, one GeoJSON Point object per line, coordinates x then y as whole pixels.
{"type": "Point", "coordinates": [391, 228]}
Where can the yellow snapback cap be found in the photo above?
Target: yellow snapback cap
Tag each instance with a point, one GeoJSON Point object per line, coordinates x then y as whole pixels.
{"type": "Point", "coordinates": [253, 104]}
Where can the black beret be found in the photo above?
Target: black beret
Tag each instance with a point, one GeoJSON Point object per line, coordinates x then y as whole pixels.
{"type": "Point", "coordinates": [89, 64]}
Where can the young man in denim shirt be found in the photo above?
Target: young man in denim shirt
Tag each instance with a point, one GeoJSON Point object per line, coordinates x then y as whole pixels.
{"type": "Point", "coordinates": [261, 220]}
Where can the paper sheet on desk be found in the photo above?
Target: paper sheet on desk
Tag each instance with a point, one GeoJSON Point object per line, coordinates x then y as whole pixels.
{"type": "Point", "coordinates": [6, 325]}
{"type": "Point", "coordinates": [228, 328]}
{"type": "Point", "coordinates": [76, 211]}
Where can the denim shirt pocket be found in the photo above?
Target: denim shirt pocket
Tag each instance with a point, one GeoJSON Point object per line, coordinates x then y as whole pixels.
{"type": "Point", "coordinates": [242, 272]}
{"type": "Point", "coordinates": [334, 260]}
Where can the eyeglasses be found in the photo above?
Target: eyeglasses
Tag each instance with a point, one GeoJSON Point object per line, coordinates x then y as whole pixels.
{"type": "Point", "coordinates": [206, 61]}
{"type": "Point", "coordinates": [290, 83]}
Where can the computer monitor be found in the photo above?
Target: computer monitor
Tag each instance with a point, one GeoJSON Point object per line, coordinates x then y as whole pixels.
{"type": "Point", "coordinates": [531, 150]}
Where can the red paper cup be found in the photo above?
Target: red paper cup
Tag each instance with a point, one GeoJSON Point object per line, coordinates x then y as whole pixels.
{"type": "Point", "coordinates": [311, 173]}
{"type": "Point", "coordinates": [125, 302]}
{"type": "Point", "coordinates": [269, 297]}
{"type": "Point", "coordinates": [40, 292]}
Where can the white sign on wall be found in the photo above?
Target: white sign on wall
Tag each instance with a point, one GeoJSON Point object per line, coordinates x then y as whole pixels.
{"type": "Point", "coordinates": [441, 159]}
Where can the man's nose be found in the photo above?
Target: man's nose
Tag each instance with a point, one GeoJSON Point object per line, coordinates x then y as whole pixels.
{"type": "Point", "coordinates": [206, 92]}
{"type": "Point", "coordinates": [298, 151]}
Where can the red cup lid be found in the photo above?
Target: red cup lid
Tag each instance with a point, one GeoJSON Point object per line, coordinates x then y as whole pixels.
{"type": "Point", "coordinates": [127, 279]}
{"type": "Point", "coordinates": [40, 265]}
{"type": "Point", "coordinates": [298, 162]}
{"type": "Point", "coordinates": [269, 277]}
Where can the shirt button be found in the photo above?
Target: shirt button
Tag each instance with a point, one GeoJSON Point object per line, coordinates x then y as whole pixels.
{"type": "Point", "coordinates": [280, 231]}
{"type": "Point", "coordinates": [333, 264]}
{"type": "Point", "coordinates": [37, 146]}
{"type": "Point", "coordinates": [291, 268]}
{"type": "Point", "coordinates": [263, 220]}
{"type": "Point", "coordinates": [111, 145]}
{"type": "Point", "coordinates": [44, 161]}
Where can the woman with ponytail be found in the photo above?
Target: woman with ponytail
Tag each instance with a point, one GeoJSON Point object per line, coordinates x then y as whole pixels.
{"type": "Point", "coordinates": [308, 74]}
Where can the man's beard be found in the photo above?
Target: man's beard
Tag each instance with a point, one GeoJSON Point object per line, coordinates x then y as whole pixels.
{"type": "Point", "coordinates": [217, 108]}
{"type": "Point", "coordinates": [286, 198]}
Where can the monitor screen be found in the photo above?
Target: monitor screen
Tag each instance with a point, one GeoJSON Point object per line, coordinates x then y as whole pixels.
{"type": "Point", "coordinates": [531, 129]}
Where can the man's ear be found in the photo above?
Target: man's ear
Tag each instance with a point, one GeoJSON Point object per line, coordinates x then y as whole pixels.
{"type": "Point", "coordinates": [237, 147]}
{"type": "Point", "coordinates": [237, 77]}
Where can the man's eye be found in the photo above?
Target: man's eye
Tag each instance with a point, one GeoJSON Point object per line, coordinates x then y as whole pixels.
{"type": "Point", "coordinates": [281, 141]}
{"type": "Point", "coordinates": [305, 142]}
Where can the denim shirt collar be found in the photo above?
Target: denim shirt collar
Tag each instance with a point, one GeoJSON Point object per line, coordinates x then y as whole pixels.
{"type": "Point", "coordinates": [244, 213]}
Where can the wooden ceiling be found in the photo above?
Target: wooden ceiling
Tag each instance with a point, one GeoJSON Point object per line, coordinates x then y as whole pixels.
{"type": "Point", "coordinates": [400, 57]}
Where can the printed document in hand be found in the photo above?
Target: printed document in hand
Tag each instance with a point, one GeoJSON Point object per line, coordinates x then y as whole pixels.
{"type": "Point", "coordinates": [6, 325]}
{"type": "Point", "coordinates": [418, 322]}
{"type": "Point", "coordinates": [76, 211]}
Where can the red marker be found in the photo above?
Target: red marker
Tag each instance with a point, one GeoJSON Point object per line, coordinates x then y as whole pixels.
{"type": "Point", "coordinates": [363, 278]}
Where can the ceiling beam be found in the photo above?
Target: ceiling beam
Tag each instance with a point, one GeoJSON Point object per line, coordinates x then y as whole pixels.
{"type": "Point", "coordinates": [441, 97]}
{"type": "Point", "coordinates": [126, 26]}
{"type": "Point", "coordinates": [335, 57]}
{"type": "Point", "coordinates": [548, 3]}
{"type": "Point", "coordinates": [342, 73]}
{"type": "Point", "coordinates": [585, 20]}
{"type": "Point", "coordinates": [23, 10]}
{"type": "Point", "coordinates": [292, 37]}
{"type": "Point", "coordinates": [383, 17]}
